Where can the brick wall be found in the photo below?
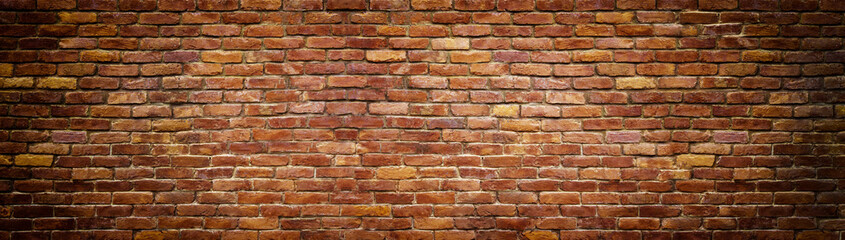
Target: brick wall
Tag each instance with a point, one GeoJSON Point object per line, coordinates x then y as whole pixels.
{"type": "Point", "coordinates": [422, 119]}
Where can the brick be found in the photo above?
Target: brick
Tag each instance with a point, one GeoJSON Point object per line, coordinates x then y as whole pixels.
{"type": "Point", "coordinates": [515, 5]}
{"type": "Point", "coordinates": [655, 43]}
{"type": "Point", "coordinates": [594, 30]}
{"type": "Point", "coordinates": [386, 56]}
{"type": "Point", "coordinates": [737, 69]}
{"type": "Point", "coordinates": [531, 69]}
{"type": "Point", "coordinates": [690, 160]}
{"type": "Point", "coordinates": [709, 99]}
{"type": "Point", "coordinates": [592, 56]}
{"type": "Point", "coordinates": [396, 173]}
{"type": "Point", "coordinates": [56, 83]}
{"type": "Point", "coordinates": [475, 5]}
{"type": "Point", "coordinates": [177, 5]}
{"type": "Point", "coordinates": [787, 98]}
{"type": "Point", "coordinates": [717, 4]}
{"type": "Point", "coordinates": [346, 5]}
{"type": "Point", "coordinates": [639, 223]}
{"type": "Point", "coordinates": [488, 69]}
{"type": "Point", "coordinates": [555, 5]}
{"type": "Point", "coordinates": [559, 198]}
{"type": "Point", "coordinates": [33, 160]}
{"type": "Point", "coordinates": [565, 98]}
{"type": "Point", "coordinates": [634, 30]}
{"type": "Point", "coordinates": [564, 43]}
{"type": "Point", "coordinates": [431, 4]}
{"type": "Point", "coordinates": [388, 108]}
{"type": "Point", "coordinates": [589, 5]}
{"type": "Point", "coordinates": [614, 69]}
{"type": "Point", "coordinates": [614, 17]}
{"type": "Point", "coordinates": [427, 31]}
{"type": "Point", "coordinates": [635, 83]}
{"type": "Point", "coordinates": [449, 43]}
{"type": "Point", "coordinates": [408, 43]}
{"type": "Point", "coordinates": [470, 57]}
{"type": "Point", "coordinates": [325, 42]}
{"type": "Point", "coordinates": [533, 18]}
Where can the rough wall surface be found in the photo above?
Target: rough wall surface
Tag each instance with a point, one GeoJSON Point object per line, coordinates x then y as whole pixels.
{"type": "Point", "coordinates": [422, 119]}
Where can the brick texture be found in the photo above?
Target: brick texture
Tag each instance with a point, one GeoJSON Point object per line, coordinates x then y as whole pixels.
{"type": "Point", "coordinates": [422, 119]}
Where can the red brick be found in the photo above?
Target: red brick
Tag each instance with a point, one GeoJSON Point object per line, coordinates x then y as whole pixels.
{"type": "Point", "coordinates": [589, 5]}
{"type": "Point", "coordinates": [515, 5]}
{"type": "Point", "coordinates": [475, 5]}
{"type": "Point", "coordinates": [748, 83]}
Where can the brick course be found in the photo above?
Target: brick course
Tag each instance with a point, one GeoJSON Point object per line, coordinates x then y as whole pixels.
{"type": "Point", "coordinates": [422, 119]}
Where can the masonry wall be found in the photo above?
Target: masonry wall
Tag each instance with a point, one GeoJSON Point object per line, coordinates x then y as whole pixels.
{"type": "Point", "coordinates": [422, 119]}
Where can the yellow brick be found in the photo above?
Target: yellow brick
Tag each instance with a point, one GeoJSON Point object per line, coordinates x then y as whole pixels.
{"type": "Point", "coordinates": [396, 173]}
{"type": "Point", "coordinates": [156, 235]}
{"type": "Point", "coordinates": [760, 56]}
{"type": "Point", "coordinates": [386, 56]}
{"type": "Point", "coordinates": [33, 160]}
{"type": "Point", "coordinates": [692, 160]}
{"type": "Point", "coordinates": [656, 162]}
{"type": "Point", "coordinates": [433, 223]}
{"type": "Point", "coordinates": [593, 56]}
{"type": "Point", "coordinates": [506, 110]}
{"type": "Point", "coordinates": [56, 83]}
{"type": "Point", "coordinates": [540, 235]}
{"type": "Point", "coordinates": [5, 160]}
{"type": "Point", "coordinates": [364, 210]}
{"type": "Point", "coordinates": [78, 17]}
{"type": "Point", "coordinates": [675, 174]}
{"type": "Point", "coordinates": [391, 31]}
{"type": "Point", "coordinates": [635, 83]}
{"type": "Point", "coordinates": [99, 56]}
{"type": "Point", "coordinates": [5, 70]}
{"type": "Point", "coordinates": [840, 110]}
{"type": "Point", "coordinates": [21, 82]}
{"type": "Point", "coordinates": [450, 43]}
{"type": "Point", "coordinates": [519, 125]}
{"type": "Point", "coordinates": [614, 17]}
